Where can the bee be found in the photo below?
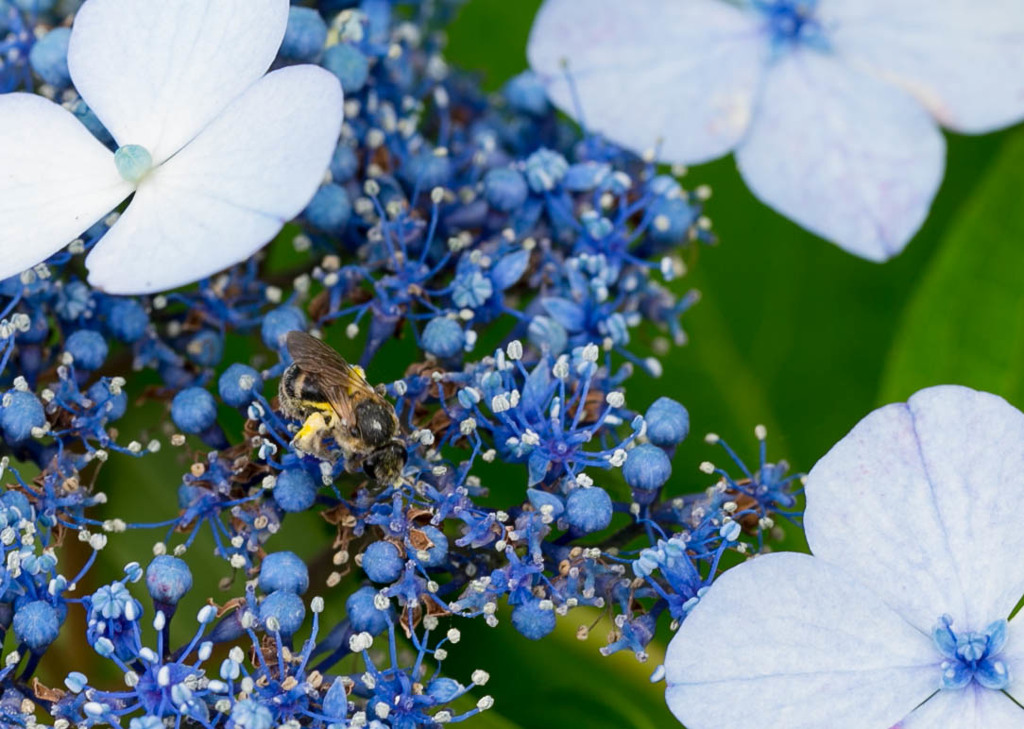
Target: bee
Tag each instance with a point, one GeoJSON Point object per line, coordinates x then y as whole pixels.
{"type": "Point", "coordinates": [332, 399]}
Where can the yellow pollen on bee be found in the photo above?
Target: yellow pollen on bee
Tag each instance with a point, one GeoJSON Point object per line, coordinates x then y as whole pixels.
{"type": "Point", "coordinates": [314, 423]}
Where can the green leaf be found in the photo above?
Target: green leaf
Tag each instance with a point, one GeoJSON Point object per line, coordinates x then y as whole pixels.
{"type": "Point", "coordinates": [965, 321]}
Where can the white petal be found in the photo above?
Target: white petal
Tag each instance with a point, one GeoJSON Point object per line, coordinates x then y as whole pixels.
{"type": "Point", "coordinates": [1013, 655]}
{"type": "Point", "coordinates": [157, 72]}
{"type": "Point", "coordinates": [916, 502]}
{"type": "Point", "coordinates": [964, 59]}
{"type": "Point", "coordinates": [797, 644]}
{"type": "Point", "coordinates": [56, 180]}
{"type": "Point", "coordinates": [684, 74]}
{"type": "Point", "coordinates": [850, 158]}
{"type": "Point", "coordinates": [228, 193]}
{"type": "Point", "coordinates": [972, 708]}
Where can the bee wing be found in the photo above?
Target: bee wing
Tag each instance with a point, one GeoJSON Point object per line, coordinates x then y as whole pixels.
{"type": "Point", "coordinates": [341, 382]}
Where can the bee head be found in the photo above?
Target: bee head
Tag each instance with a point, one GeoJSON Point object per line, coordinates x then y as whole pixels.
{"type": "Point", "coordinates": [375, 422]}
{"type": "Point", "coordinates": [385, 464]}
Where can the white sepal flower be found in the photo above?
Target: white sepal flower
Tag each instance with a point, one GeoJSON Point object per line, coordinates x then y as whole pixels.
{"type": "Point", "coordinates": [914, 548]}
{"type": "Point", "coordinates": [218, 155]}
{"type": "Point", "coordinates": [832, 107]}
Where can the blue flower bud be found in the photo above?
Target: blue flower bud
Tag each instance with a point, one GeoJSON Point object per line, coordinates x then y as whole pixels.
{"type": "Point", "coordinates": [247, 714]}
{"type": "Point", "coordinates": [671, 218]}
{"type": "Point", "coordinates": [505, 189]}
{"type": "Point", "coordinates": [206, 348]}
{"type": "Point", "coordinates": [437, 554]}
{"type": "Point", "coordinates": [238, 384]}
{"type": "Point", "coordinates": [443, 337]}
{"type": "Point", "coordinates": [350, 66]}
{"type": "Point", "coordinates": [545, 170]}
{"type": "Point", "coordinates": [88, 347]}
{"type": "Point", "coordinates": [146, 722]}
{"type": "Point", "coordinates": [585, 176]}
{"type": "Point", "coordinates": [36, 624]}
{"type": "Point", "coordinates": [305, 36]}
{"type": "Point", "coordinates": [127, 320]}
{"type": "Point", "coordinates": [382, 562]}
{"type": "Point", "coordinates": [344, 163]}
{"type": "Point", "coordinates": [284, 571]}
{"type": "Point", "coordinates": [471, 289]}
{"type": "Point", "coordinates": [647, 468]}
{"type": "Point", "coordinates": [193, 410]}
{"type": "Point", "coordinates": [668, 423]}
{"type": "Point", "coordinates": [286, 607]}
{"type": "Point", "coordinates": [112, 407]}
{"type": "Point", "coordinates": [531, 620]}
{"type": "Point", "coordinates": [295, 490]}
{"type": "Point", "coordinates": [49, 57]}
{"type": "Point", "coordinates": [168, 579]}
{"type": "Point", "coordinates": [588, 509]}
{"type": "Point", "coordinates": [526, 93]}
{"type": "Point", "coordinates": [665, 186]}
{"type": "Point", "coordinates": [21, 413]}
{"type": "Point", "coordinates": [330, 209]}
{"type": "Point", "coordinates": [278, 322]}
{"type": "Point", "coordinates": [427, 170]}
{"type": "Point", "coordinates": [363, 615]}
{"type": "Point", "coordinates": [17, 506]}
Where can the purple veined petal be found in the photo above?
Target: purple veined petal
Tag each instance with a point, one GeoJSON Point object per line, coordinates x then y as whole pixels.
{"type": "Point", "coordinates": [227, 193]}
{"type": "Point", "coordinates": [156, 73]}
{"type": "Point", "coordinates": [914, 501]}
{"type": "Point", "coordinates": [973, 707]}
{"type": "Point", "coordinates": [963, 59]}
{"type": "Point", "coordinates": [56, 180]}
{"type": "Point", "coordinates": [682, 75]}
{"type": "Point", "coordinates": [852, 159]}
{"type": "Point", "coordinates": [798, 644]}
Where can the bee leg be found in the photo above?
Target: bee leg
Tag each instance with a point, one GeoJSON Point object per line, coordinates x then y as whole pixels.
{"type": "Point", "coordinates": [353, 463]}
{"type": "Point", "coordinates": [309, 439]}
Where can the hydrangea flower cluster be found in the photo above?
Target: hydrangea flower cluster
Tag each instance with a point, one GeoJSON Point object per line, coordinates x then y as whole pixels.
{"type": "Point", "coordinates": [530, 263]}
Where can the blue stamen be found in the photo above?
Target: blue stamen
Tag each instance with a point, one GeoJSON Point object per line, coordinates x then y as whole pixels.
{"type": "Point", "coordinates": [972, 656]}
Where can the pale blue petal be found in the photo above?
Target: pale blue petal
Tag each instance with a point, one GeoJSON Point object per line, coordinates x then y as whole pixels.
{"type": "Point", "coordinates": [787, 641]}
{"type": "Point", "coordinates": [918, 500]}
{"type": "Point", "coordinates": [1013, 655]}
{"type": "Point", "coordinates": [971, 708]}
{"type": "Point", "coordinates": [157, 72]}
{"type": "Point", "coordinates": [963, 59]}
{"type": "Point", "coordinates": [227, 193]}
{"type": "Point", "coordinates": [850, 158]}
{"type": "Point", "coordinates": [682, 74]}
{"type": "Point", "coordinates": [56, 180]}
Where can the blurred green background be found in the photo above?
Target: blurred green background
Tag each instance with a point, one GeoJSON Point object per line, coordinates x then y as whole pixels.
{"type": "Point", "coordinates": [791, 332]}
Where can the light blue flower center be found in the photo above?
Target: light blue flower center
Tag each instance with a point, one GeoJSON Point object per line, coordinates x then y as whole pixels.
{"type": "Point", "coordinates": [972, 655]}
{"type": "Point", "coordinates": [792, 22]}
{"type": "Point", "coordinates": [133, 162]}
